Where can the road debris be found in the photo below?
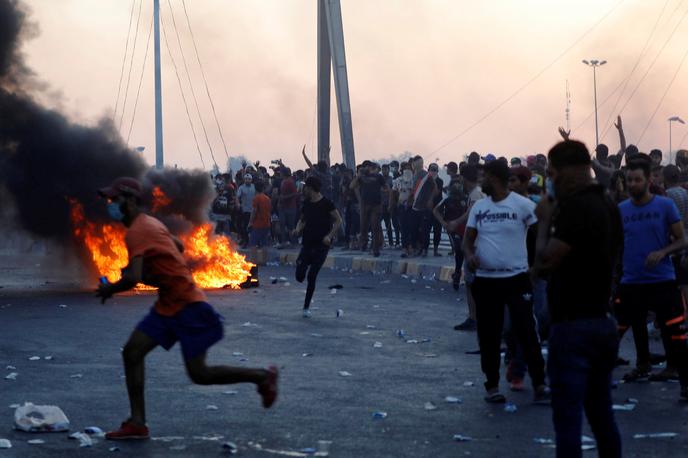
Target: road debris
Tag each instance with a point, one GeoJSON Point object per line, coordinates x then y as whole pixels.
{"type": "Point", "coordinates": [39, 419]}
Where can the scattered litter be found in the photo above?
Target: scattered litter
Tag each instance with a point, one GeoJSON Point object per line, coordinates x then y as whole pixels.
{"type": "Point", "coordinates": [11, 376]}
{"type": "Point", "coordinates": [308, 450]}
{"type": "Point", "coordinates": [210, 437]}
{"type": "Point", "coordinates": [237, 353]}
{"type": "Point", "coordinates": [211, 407]}
{"type": "Point", "coordinates": [167, 438]}
{"type": "Point", "coordinates": [230, 392]}
{"type": "Point", "coordinates": [428, 355]}
{"type": "Point", "coordinates": [655, 436]}
{"type": "Point", "coordinates": [460, 438]}
{"type": "Point", "coordinates": [588, 447]}
{"type": "Point", "coordinates": [345, 374]}
{"type": "Point", "coordinates": [333, 291]}
{"type": "Point", "coordinates": [323, 448]}
{"type": "Point", "coordinates": [425, 340]}
{"type": "Point", "coordinates": [379, 415]}
{"type": "Point", "coordinates": [337, 286]}
{"type": "Point", "coordinates": [427, 287]}
{"type": "Point", "coordinates": [248, 324]}
{"type": "Point", "coordinates": [468, 383]}
{"type": "Point", "coordinates": [15, 406]}
{"type": "Point", "coordinates": [384, 282]}
{"type": "Point", "coordinates": [287, 284]}
{"type": "Point", "coordinates": [510, 408]}
{"type": "Point", "coordinates": [453, 400]}
{"type": "Point", "coordinates": [340, 313]}
{"type": "Point", "coordinates": [178, 447]}
{"type": "Point", "coordinates": [364, 333]}
{"type": "Point", "coordinates": [38, 419]}
{"type": "Point", "coordinates": [11, 368]}
{"type": "Point", "coordinates": [413, 280]}
{"type": "Point", "coordinates": [63, 306]}
{"type": "Point", "coordinates": [36, 441]}
{"type": "Point", "coordinates": [94, 431]}
{"type": "Point", "coordinates": [4, 443]}
{"type": "Point", "coordinates": [231, 446]}
{"type": "Point", "coordinates": [377, 345]}
{"type": "Point", "coordinates": [306, 355]}
{"type": "Point", "coordinates": [412, 341]}
{"type": "Point", "coordinates": [632, 401]}
{"type": "Point", "coordinates": [114, 449]}
{"type": "Point", "coordinates": [543, 441]}
{"type": "Point", "coordinates": [371, 326]}
{"type": "Point", "coordinates": [84, 439]}
{"type": "Point", "coordinates": [315, 334]}
{"type": "Point", "coordinates": [76, 376]}
{"type": "Point", "coordinates": [48, 358]}
{"type": "Point", "coordinates": [283, 279]}
{"type": "Point", "coordinates": [35, 358]}
{"type": "Point", "coordinates": [376, 306]}
{"type": "Point", "coordinates": [430, 406]}
{"type": "Point", "coordinates": [401, 333]}
{"type": "Point", "coordinates": [404, 276]}
{"type": "Point", "coordinates": [626, 407]}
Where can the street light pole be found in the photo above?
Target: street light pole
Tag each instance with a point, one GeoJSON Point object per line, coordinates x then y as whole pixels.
{"type": "Point", "coordinates": [671, 120]}
{"type": "Point", "coordinates": [594, 64]}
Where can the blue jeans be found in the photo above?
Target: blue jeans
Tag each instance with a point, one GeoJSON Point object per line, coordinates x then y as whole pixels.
{"type": "Point", "coordinates": [582, 354]}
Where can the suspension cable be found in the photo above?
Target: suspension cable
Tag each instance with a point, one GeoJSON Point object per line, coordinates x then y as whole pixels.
{"type": "Point", "coordinates": [181, 90]}
{"type": "Point", "coordinates": [124, 59]}
{"type": "Point", "coordinates": [143, 71]}
{"type": "Point", "coordinates": [205, 81]}
{"type": "Point", "coordinates": [188, 77]}
{"type": "Point", "coordinates": [131, 66]}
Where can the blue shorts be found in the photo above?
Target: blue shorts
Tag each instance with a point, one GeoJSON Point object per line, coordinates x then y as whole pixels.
{"type": "Point", "coordinates": [197, 327]}
{"type": "Point", "coordinates": [259, 237]}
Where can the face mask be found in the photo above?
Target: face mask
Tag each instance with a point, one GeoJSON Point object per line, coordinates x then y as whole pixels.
{"type": "Point", "coordinates": [535, 198]}
{"type": "Point", "coordinates": [433, 173]}
{"type": "Point", "coordinates": [115, 211]}
{"type": "Point", "coordinates": [549, 185]}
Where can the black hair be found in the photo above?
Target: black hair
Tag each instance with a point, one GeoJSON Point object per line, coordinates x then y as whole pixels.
{"type": "Point", "coordinates": [640, 162]}
{"type": "Point", "coordinates": [470, 173]}
{"type": "Point", "coordinates": [499, 170]}
{"type": "Point", "coordinates": [259, 186]}
{"type": "Point", "coordinates": [417, 158]}
{"type": "Point", "coordinates": [569, 153]}
{"type": "Point", "coordinates": [313, 183]}
{"type": "Point", "coordinates": [656, 152]}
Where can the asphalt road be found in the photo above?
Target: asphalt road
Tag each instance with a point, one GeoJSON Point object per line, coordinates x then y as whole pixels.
{"type": "Point", "coordinates": [316, 402]}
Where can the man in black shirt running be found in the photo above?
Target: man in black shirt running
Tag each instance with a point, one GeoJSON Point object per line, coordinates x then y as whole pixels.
{"type": "Point", "coordinates": [319, 223]}
{"type": "Point", "coordinates": [579, 240]}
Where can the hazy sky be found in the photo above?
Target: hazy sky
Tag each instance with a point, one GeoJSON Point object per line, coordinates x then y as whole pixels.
{"type": "Point", "coordinates": [420, 72]}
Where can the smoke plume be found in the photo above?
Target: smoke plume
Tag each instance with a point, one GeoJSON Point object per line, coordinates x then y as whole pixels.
{"type": "Point", "coordinates": [45, 159]}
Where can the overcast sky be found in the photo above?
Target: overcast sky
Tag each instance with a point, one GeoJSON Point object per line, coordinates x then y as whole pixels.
{"type": "Point", "coordinates": [420, 73]}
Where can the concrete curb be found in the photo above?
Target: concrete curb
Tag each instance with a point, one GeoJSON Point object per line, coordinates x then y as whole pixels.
{"type": "Point", "coordinates": [426, 268]}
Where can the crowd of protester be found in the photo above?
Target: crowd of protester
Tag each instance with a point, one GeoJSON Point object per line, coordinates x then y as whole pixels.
{"type": "Point", "coordinates": [524, 233]}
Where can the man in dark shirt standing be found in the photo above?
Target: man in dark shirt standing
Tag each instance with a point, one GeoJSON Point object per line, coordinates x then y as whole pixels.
{"type": "Point", "coordinates": [319, 223]}
{"type": "Point", "coordinates": [578, 243]}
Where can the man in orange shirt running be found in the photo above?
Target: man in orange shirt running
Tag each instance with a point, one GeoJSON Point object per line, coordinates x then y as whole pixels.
{"type": "Point", "coordinates": [181, 312]}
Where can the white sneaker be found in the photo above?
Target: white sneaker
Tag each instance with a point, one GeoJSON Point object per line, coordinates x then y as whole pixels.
{"type": "Point", "coordinates": [306, 313]}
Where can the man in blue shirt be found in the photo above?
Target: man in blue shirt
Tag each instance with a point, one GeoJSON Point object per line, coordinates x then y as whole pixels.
{"type": "Point", "coordinates": [653, 230]}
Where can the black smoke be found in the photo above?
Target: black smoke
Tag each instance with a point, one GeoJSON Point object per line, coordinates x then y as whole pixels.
{"type": "Point", "coordinates": [45, 159]}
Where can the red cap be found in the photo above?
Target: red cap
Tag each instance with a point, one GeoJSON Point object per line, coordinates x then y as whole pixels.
{"type": "Point", "coordinates": [122, 185]}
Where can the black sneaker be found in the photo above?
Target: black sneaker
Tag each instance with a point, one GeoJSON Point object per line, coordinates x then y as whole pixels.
{"type": "Point", "coordinates": [493, 396]}
{"type": "Point", "coordinates": [639, 373]}
{"type": "Point", "coordinates": [469, 325]}
{"type": "Point", "coordinates": [543, 395]}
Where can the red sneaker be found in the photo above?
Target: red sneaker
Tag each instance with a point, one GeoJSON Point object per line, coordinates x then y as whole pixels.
{"type": "Point", "coordinates": [268, 389]}
{"type": "Point", "coordinates": [128, 431]}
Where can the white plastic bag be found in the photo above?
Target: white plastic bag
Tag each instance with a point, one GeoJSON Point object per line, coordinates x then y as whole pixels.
{"type": "Point", "coordinates": [36, 419]}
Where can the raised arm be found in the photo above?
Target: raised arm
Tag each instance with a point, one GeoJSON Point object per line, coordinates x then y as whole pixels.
{"type": "Point", "coordinates": [308, 161]}
{"type": "Point", "coordinates": [622, 137]}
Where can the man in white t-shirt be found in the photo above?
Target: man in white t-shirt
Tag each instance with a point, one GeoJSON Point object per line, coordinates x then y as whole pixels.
{"type": "Point", "coordinates": [495, 249]}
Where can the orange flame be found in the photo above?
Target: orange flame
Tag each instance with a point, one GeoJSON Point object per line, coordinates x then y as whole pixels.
{"type": "Point", "coordinates": [160, 199]}
{"type": "Point", "coordinates": [214, 263]}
